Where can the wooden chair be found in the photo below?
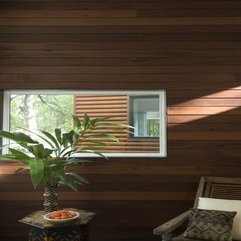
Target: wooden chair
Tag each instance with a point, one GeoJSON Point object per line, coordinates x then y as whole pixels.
{"type": "Point", "coordinates": [212, 187]}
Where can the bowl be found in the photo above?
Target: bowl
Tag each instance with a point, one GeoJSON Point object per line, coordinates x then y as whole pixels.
{"type": "Point", "coordinates": [61, 216]}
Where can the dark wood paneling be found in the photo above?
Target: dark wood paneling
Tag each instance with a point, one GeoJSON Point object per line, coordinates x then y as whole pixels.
{"type": "Point", "coordinates": [190, 48]}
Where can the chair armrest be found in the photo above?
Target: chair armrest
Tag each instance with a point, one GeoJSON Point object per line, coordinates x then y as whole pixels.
{"type": "Point", "coordinates": [171, 225]}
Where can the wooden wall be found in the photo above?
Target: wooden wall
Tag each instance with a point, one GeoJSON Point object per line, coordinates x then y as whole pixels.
{"type": "Point", "coordinates": [191, 48]}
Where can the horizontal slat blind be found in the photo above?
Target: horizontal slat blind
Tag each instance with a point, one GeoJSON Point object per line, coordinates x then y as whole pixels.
{"type": "Point", "coordinates": [116, 107]}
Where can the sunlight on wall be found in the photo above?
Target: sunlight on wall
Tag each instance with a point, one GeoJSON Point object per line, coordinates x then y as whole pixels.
{"type": "Point", "coordinates": [202, 107]}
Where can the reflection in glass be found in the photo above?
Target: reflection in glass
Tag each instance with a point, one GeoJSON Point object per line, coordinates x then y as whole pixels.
{"type": "Point", "coordinates": [144, 116]}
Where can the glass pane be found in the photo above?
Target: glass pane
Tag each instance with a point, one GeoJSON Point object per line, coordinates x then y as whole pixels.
{"type": "Point", "coordinates": [145, 115]}
{"type": "Point", "coordinates": [41, 111]}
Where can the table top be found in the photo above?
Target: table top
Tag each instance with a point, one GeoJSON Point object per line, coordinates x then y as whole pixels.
{"type": "Point", "coordinates": [36, 219]}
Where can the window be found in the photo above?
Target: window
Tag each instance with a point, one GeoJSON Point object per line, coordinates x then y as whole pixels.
{"type": "Point", "coordinates": [44, 109]}
{"type": "Point", "coordinates": [144, 116]}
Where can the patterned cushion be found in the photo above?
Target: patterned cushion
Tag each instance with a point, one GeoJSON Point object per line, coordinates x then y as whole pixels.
{"type": "Point", "coordinates": [210, 225]}
{"type": "Point", "coordinates": [224, 205]}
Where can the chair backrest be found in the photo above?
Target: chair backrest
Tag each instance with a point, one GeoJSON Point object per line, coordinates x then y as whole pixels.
{"type": "Point", "coordinates": [219, 187]}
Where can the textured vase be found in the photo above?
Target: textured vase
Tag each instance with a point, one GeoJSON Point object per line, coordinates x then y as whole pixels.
{"type": "Point", "coordinates": [50, 198]}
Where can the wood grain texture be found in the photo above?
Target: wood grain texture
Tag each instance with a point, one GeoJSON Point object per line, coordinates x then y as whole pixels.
{"type": "Point", "coordinates": [189, 48]}
{"type": "Point", "coordinates": [80, 21]}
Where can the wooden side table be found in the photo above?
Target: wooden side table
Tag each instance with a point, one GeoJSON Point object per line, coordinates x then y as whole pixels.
{"type": "Point", "coordinates": [42, 230]}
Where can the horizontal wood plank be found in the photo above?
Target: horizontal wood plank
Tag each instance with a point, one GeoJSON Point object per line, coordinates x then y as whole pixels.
{"type": "Point", "coordinates": [78, 21]}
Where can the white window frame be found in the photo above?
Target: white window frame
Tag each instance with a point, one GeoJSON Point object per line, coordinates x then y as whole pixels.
{"type": "Point", "coordinates": [162, 118]}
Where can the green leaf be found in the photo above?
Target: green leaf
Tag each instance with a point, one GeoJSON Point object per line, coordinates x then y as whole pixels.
{"type": "Point", "coordinates": [92, 152]}
{"type": "Point", "coordinates": [39, 151]}
{"type": "Point", "coordinates": [51, 137]}
{"type": "Point", "coordinates": [46, 153]}
{"type": "Point", "coordinates": [35, 149]}
{"type": "Point", "coordinates": [77, 161]}
{"type": "Point", "coordinates": [20, 156]}
{"type": "Point", "coordinates": [102, 119]}
{"type": "Point", "coordinates": [77, 178]}
{"type": "Point", "coordinates": [25, 145]}
{"type": "Point", "coordinates": [58, 135]}
{"type": "Point", "coordinates": [67, 180]}
{"type": "Point", "coordinates": [18, 153]}
{"type": "Point", "coordinates": [115, 126]}
{"type": "Point", "coordinates": [8, 157]}
{"type": "Point", "coordinates": [72, 137]}
{"type": "Point", "coordinates": [16, 137]}
{"type": "Point", "coordinates": [86, 122]}
{"type": "Point", "coordinates": [36, 171]}
{"type": "Point", "coordinates": [76, 125]}
{"type": "Point", "coordinates": [66, 153]}
{"type": "Point", "coordinates": [24, 138]}
{"type": "Point", "coordinates": [105, 136]}
{"type": "Point", "coordinates": [41, 137]}
{"type": "Point", "coordinates": [68, 138]}
{"type": "Point", "coordinates": [8, 135]}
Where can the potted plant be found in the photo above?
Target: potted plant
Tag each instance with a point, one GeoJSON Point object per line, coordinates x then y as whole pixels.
{"type": "Point", "coordinates": [46, 156]}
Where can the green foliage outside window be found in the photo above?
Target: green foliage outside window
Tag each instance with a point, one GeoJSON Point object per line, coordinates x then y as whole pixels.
{"type": "Point", "coordinates": [49, 111]}
{"type": "Point", "coordinates": [153, 127]}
